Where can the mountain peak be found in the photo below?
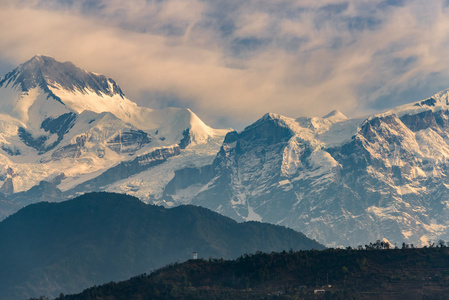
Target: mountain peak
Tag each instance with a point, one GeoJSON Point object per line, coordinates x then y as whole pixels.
{"type": "Point", "coordinates": [335, 115]}
{"type": "Point", "coordinates": [266, 117]}
{"type": "Point", "coordinates": [40, 59]}
{"type": "Point", "coordinates": [49, 74]}
{"type": "Point", "coordinates": [271, 115]}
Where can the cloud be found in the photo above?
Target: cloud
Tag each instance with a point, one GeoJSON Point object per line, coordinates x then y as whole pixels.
{"type": "Point", "coordinates": [236, 60]}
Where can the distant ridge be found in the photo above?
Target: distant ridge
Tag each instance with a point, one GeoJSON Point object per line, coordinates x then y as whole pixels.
{"type": "Point", "coordinates": [48, 248]}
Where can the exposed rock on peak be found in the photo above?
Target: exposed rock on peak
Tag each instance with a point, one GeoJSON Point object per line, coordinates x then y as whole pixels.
{"type": "Point", "coordinates": [47, 73]}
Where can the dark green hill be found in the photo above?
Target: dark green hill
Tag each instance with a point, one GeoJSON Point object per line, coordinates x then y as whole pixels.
{"type": "Point", "coordinates": [48, 248]}
{"type": "Point", "coordinates": [329, 274]}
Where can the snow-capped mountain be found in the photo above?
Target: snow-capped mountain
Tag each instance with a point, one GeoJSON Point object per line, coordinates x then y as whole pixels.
{"type": "Point", "coordinates": [341, 181]}
{"type": "Point", "coordinates": [65, 126]}
{"type": "Point", "coordinates": [65, 131]}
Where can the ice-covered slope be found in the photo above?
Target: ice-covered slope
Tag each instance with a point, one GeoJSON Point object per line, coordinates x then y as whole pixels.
{"type": "Point", "coordinates": [341, 181]}
{"type": "Point", "coordinates": [59, 121]}
{"type": "Point", "coordinates": [43, 88]}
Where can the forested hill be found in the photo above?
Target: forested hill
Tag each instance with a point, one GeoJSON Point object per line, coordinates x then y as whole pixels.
{"type": "Point", "coordinates": [329, 274]}
{"type": "Point", "coordinates": [49, 248]}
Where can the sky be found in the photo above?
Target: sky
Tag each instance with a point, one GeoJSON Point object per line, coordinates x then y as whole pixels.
{"type": "Point", "coordinates": [233, 61]}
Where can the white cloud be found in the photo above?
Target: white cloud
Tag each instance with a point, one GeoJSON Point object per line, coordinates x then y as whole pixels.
{"type": "Point", "coordinates": [302, 57]}
{"type": "Point", "coordinates": [253, 25]}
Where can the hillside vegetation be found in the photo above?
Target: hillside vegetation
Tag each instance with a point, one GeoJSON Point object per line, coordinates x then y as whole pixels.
{"type": "Point", "coordinates": [330, 274]}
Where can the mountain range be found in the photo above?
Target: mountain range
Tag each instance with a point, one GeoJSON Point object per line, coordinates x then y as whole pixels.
{"type": "Point", "coordinates": [342, 181]}
{"type": "Point", "coordinates": [49, 248]}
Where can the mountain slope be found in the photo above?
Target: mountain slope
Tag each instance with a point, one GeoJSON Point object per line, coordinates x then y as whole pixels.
{"type": "Point", "coordinates": [45, 88]}
{"type": "Point", "coordinates": [342, 181]}
{"type": "Point", "coordinates": [60, 121]}
{"type": "Point", "coordinates": [48, 248]}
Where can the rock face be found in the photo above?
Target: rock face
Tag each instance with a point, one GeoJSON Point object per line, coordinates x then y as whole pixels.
{"type": "Point", "coordinates": [340, 181]}
{"type": "Point", "coordinates": [59, 121]}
